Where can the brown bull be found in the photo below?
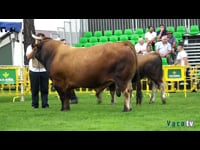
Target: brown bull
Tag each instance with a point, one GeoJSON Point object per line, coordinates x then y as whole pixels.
{"type": "Point", "coordinates": [149, 66]}
{"type": "Point", "coordinates": [95, 67]}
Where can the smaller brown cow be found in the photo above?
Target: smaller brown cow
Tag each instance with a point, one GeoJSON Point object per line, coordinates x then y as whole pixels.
{"type": "Point", "coordinates": [94, 67]}
{"type": "Point", "coordinates": [149, 66]}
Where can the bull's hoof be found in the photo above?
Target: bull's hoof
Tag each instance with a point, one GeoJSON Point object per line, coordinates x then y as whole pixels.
{"type": "Point", "coordinates": [62, 109]}
{"type": "Point", "coordinates": [126, 109]}
{"type": "Point", "coordinates": [151, 102]}
{"type": "Point", "coordinates": [74, 101]}
{"type": "Point", "coordinates": [99, 102]}
{"type": "Point", "coordinates": [164, 102]}
{"type": "Point", "coordinates": [138, 103]}
{"type": "Point", "coordinates": [112, 103]}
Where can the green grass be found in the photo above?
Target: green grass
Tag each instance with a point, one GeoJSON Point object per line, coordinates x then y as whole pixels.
{"type": "Point", "coordinates": [87, 115]}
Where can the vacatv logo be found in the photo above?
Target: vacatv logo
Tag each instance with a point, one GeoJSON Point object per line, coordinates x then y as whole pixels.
{"type": "Point", "coordinates": [187, 123]}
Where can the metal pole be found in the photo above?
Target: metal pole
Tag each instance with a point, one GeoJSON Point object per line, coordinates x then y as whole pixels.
{"type": "Point", "coordinates": [136, 24]}
{"type": "Point", "coordinates": [21, 68]}
{"type": "Point", "coordinates": [76, 32]}
{"type": "Point", "coordinates": [70, 27]}
{"type": "Point", "coordinates": [70, 30]}
{"type": "Point", "coordinates": [188, 26]}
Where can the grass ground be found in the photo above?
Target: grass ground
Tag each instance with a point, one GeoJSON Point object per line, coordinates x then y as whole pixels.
{"type": "Point", "coordinates": [87, 115]}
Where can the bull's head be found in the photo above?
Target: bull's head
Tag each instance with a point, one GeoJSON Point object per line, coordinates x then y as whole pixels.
{"type": "Point", "coordinates": [39, 46]}
{"type": "Point", "coordinates": [36, 47]}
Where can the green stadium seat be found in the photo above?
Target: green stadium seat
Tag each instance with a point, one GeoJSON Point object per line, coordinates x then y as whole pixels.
{"type": "Point", "coordinates": [103, 39]}
{"type": "Point", "coordinates": [157, 29]}
{"type": "Point", "coordinates": [170, 28]}
{"type": "Point", "coordinates": [123, 38]}
{"type": "Point", "coordinates": [146, 30]}
{"type": "Point", "coordinates": [139, 31]}
{"type": "Point", "coordinates": [93, 39]}
{"type": "Point", "coordinates": [98, 33]}
{"type": "Point", "coordinates": [142, 36]}
{"type": "Point", "coordinates": [178, 36]}
{"type": "Point", "coordinates": [194, 29]}
{"type": "Point", "coordinates": [164, 61]}
{"type": "Point", "coordinates": [98, 43]}
{"type": "Point", "coordinates": [181, 29]}
{"type": "Point", "coordinates": [83, 40]}
{"type": "Point", "coordinates": [133, 42]}
{"type": "Point", "coordinates": [113, 38]}
{"type": "Point", "coordinates": [128, 32]}
{"type": "Point", "coordinates": [118, 32]}
{"type": "Point", "coordinates": [134, 37]}
{"type": "Point", "coordinates": [88, 44]}
{"type": "Point", "coordinates": [78, 45]}
{"type": "Point", "coordinates": [88, 34]}
{"type": "Point", "coordinates": [108, 33]}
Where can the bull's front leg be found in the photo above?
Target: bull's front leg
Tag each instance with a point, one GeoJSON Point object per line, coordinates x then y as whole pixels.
{"type": "Point", "coordinates": [64, 97]}
{"type": "Point", "coordinates": [127, 95]}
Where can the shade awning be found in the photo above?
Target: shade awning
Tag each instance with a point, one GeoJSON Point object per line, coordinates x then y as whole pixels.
{"type": "Point", "coordinates": [11, 26]}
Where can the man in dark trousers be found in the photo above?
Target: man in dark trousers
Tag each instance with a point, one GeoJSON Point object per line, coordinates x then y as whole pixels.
{"type": "Point", "coordinates": [39, 78]}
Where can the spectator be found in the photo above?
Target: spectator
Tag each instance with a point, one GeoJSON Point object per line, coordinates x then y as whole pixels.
{"type": "Point", "coordinates": [164, 49]}
{"type": "Point", "coordinates": [149, 49]}
{"type": "Point", "coordinates": [141, 46]}
{"type": "Point", "coordinates": [39, 78]}
{"type": "Point", "coordinates": [172, 41]}
{"type": "Point", "coordinates": [182, 56]}
{"type": "Point", "coordinates": [161, 32]}
{"type": "Point", "coordinates": [182, 60]}
{"type": "Point", "coordinates": [64, 41]}
{"type": "Point", "coordinates": [150, 37]}
{"type": "Point", "coordinates": [73, 97]}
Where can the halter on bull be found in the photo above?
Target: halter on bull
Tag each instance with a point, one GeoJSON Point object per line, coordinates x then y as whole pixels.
{"type": "Point", "coordinates": [95, 67]}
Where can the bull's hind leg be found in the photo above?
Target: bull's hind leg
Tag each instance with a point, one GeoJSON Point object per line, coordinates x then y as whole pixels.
{"type": "Point", "coordinates": [99, 96]}
{"type": "Point", "coordinates": [163, 94]}
{"type": "Point", "coordinates": [127, 95]}
{"type": "Point", "coordinates": [153, 92]}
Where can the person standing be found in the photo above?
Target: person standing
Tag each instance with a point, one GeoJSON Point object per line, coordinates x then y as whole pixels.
{"type": "Point", "coordinates": [182, 58]}
{"type": "Point", "coordinates": [39, 78]}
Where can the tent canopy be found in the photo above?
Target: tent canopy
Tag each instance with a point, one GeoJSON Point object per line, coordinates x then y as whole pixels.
{"type": "Point", "coordinates": [11, 26]}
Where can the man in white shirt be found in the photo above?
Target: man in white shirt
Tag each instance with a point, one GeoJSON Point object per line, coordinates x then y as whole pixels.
{"type": "Point", "coordinates": [39, 78]}
{"type": "Point", "coordinates": [140, 47]}
{"type": "Point", "coordinates": [150, 36]}
{"type": "Point", "coordinates": [181, 58]}
{"type": "Point", "coordinates": [164, 48]}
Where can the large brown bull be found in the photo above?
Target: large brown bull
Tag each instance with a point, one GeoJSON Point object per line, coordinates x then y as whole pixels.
{"type": "Point", "coordinates": [149, 66]}
{"type": "Point", "coordinates": [95, 67]}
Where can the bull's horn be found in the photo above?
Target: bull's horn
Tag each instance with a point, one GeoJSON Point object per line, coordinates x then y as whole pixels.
{"type": "Point", "coordinates": [36, 37]}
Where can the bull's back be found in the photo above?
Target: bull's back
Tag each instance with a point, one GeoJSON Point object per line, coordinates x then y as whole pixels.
{"type": "Point", "coordinates": [96, 63]}
{"type": "Point", "coordinates": [150, 64]}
